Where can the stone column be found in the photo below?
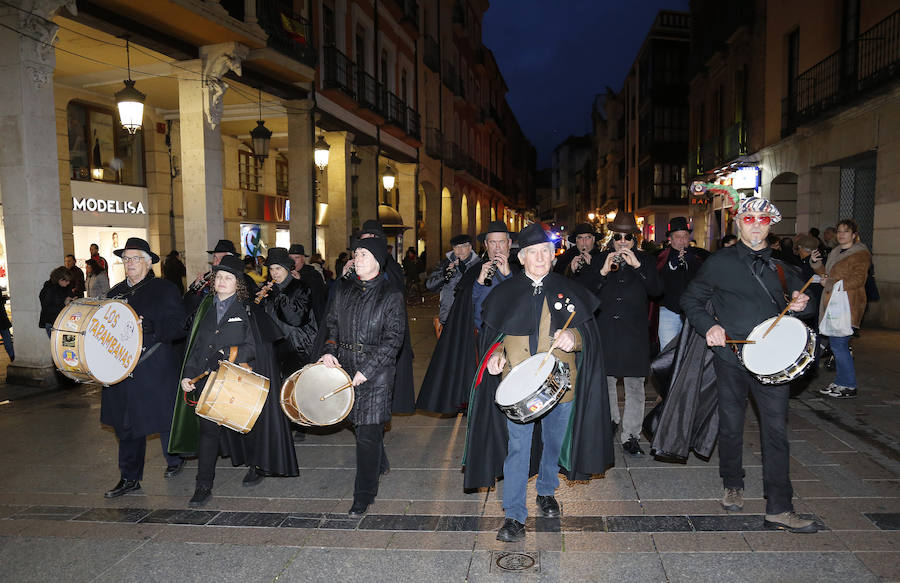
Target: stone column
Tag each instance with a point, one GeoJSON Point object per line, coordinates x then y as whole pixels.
{"type": "Point", "coordinates": [29, 178]}
{"type": "Point", "coordinates": [406, 182]}
{"type": "Point", "coordinates": [337, 234]}
{"type": "Point", "coordinates": [300, 171]}
{"type": "Point", "coordinates": [200, 111]}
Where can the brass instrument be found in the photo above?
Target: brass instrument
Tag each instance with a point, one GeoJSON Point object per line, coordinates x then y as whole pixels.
{"type": "Point", "coordinates": [682, 262]}
{"type": "Point", "coordinates": [581, 263]}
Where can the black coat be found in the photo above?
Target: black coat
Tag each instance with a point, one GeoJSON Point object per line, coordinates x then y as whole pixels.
{"type": "Point", "coordinates": [291, 308]}
{"type": "Point", "coordinates": [142, 404]}
{"type": "Point", "coordinates": [53, 300]}
{"type": "Point", "coordinates": [318, 292]}
{"type": "Point", "coordinates": [373, 314]}
{"type": "Point", "coordinates": [624, 311]}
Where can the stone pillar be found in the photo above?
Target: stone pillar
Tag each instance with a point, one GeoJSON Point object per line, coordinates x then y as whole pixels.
{"type": "Point", "coordinates": [29, 178]}
{"type": "Point", "coordinates": [337, 234]}
{"type": "Point", "coordinates": [200, 111]}
{"type": "Point", "coordinates": [300, 171]}
{"type": "Point", "coordinates": [406, 182]}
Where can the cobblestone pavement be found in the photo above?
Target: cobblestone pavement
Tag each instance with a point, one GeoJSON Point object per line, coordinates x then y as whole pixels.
{"type": "Point", "coordinates": [645, 521]}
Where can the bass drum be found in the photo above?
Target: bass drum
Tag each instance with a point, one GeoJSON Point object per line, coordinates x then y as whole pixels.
{"type": "Point", "coordinates": [96, 340]}
{"type": "Point", "coordinates": [304, 400]}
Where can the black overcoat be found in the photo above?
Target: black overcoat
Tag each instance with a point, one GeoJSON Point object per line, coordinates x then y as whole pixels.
{"type": "Point", "coordinates": [371, 315]}
{"type": "Point", "coordinates": [292, 310]}
{"type": "Point", "coordinates": [624, 312]}
{"type": "Point", "coordinates": [142, 404]}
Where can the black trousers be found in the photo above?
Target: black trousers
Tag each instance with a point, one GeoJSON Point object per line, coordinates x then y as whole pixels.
{"type": "Point", "coordinates": [207, 452]}
{"type": "Point", "coordinates": [132, 452]}
{"type": "Point", "coordinates": [733, 386]}
{"type": "Point", "coordinates": [371, 461]}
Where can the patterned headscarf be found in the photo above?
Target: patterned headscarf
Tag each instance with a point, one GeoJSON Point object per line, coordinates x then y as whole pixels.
{"type": "Point", "coordinates": [755, 204]}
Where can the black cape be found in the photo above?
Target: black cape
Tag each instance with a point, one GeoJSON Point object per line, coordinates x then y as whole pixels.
{"type": "Point", "coordinates": [688, 417]}
{"type": "Point", "coordinates": [587, 447]}
{"type": "Point", "coordinates": [445, 388]}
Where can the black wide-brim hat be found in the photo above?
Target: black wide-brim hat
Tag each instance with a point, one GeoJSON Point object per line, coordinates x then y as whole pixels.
{"type": "Point", "coordinates": [678, 224]}
{"type": "Point", "coordinates": [232, 264]}
{"type": "Point", "coordinates": [140, 245]}
{"type": "Point", "coordinates": [279, 256]}
{"type": "Point", "coordinates": [460, 240]}
{"type": "Point", "coordinates": [533, 234]}
{"type": "Point", "coordinates": [496, 227]}
{"type": "Point", "coordinates": [582, 229]}
{"type": "Point", "coordinates": [224, 246]}
{"type": "Point", "coordinates": [297, 249]}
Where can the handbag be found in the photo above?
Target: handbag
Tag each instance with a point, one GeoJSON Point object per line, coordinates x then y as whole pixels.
{"type": "Point", "coordinates": [837, 321]}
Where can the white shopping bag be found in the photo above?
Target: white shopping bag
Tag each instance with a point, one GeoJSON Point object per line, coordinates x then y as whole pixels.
{"type": "Point", "coordinates": [836, 321]}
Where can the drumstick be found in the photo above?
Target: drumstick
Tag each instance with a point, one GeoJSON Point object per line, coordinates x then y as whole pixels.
{"type": "Point", "coordinates": [336, 391]}
{"type": "Point", "coordinates": [552, 346]}
{"type": "Point", "coordinates": [198, 377]}
{"type": "Point", "coordinates": [740, 342]}
{"type": "Point", "coordinates": [784, 311]}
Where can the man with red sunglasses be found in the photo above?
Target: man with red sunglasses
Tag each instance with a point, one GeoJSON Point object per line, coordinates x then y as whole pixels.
{"type": "Point", "coordinates": [744, 287]}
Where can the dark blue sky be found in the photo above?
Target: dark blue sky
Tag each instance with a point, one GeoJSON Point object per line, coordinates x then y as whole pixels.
{"type": "Point", "coordinates": [555, 55]}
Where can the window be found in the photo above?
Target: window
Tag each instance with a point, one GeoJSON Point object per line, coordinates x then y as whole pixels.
{"type": "Point", "coordinates": [249, 171]}
{"type": "Point", "coordinates": [328, 26]}
{"type": "Point", "coordinates": [281, 177]}
{"type": "Point", "coordinates": [100, 149]}
{"type": "Point", "coordinates": [403, 95]}
{"type": "Point", "coordinates": [361, 48]}
{"type": "Point", "coordinates": [384, 68]}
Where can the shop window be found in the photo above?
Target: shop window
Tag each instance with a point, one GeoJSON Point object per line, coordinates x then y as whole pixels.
{"type": "Point", "coordinates": [100, 149]}
{"type": "Point", "coordinates": [249, 171]}
{"type": "Point", "coordinates": [281, 177]}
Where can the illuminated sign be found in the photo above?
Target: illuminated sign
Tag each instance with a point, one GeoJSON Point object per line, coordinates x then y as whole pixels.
{"type": "Point", "coordinates": [121, 207]}
{"type": "Point", "coordinates": [747, 177]}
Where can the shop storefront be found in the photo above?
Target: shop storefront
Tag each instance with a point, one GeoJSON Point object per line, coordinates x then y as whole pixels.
{"type": "Point", "coordinates": [107, 214]}
{"type": "Point", "coordinates": [713, 200]}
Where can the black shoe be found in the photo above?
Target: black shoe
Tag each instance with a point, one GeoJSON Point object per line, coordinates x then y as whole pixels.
{"type": "Point", "coordinates": [201, 496]}
{"type": "Point", "coordinates": [253, 477]}
{"type": "Point", "coordinates": [548, 505]}
{"type": "Point", "coordinates": [299, 436]}
{"type": "Point", "coordinates": [174, 470]}
{"type": "Point", "coordinates": [511, 531]}
{"type": "Point", "coordinates": [358, 509]}
{"type": "Point", "coordinates": [632, 447]}
{"type": "Point", "coordinates": [123, 487]}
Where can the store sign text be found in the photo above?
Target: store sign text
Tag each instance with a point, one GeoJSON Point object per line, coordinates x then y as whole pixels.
{"type": "Point", "coordinates": [121, 207]}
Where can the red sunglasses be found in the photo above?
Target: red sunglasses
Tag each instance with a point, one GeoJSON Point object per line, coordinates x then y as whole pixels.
{"type": "Point", "coordinates": [750, 219]}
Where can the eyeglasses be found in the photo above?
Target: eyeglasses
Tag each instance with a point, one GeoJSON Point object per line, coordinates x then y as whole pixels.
{"type": "Point", "coordinates": [750, 219]}
{"type": "Point", "coordinates": [132, 259]}
{"type": "Point", "coordinates": [626, 236]}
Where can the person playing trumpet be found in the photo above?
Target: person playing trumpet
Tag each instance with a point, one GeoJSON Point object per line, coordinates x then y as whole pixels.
{"type": "Point", "coordinates": [447, 275]}
{"type": "Point", "coordinates": [581, 253]}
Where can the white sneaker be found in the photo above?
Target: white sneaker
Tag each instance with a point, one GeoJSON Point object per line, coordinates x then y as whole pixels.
{"type": "Point", "coordinates": [830, 391]}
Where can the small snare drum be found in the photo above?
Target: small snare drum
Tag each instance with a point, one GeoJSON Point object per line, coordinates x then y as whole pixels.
{"type": "Point", "coordinates": [783, 355]}
{"type": "Point", "coordinates": [531, 389]}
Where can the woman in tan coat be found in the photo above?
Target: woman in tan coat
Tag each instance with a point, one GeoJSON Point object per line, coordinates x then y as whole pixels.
{"type": "Point", "coordinates": [848, 262]}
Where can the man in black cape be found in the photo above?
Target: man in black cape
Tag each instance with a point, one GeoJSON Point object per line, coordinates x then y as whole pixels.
{"type": "Point", "coordinates": [584, 248]}
{"type": "Point", "coordinates": [445, 388]}
{"type": "Point", "coordinates": [520, 318]}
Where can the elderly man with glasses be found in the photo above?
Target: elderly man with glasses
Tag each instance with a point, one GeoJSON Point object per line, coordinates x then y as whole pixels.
{"type": "Point", "coordinates": [745, 286]}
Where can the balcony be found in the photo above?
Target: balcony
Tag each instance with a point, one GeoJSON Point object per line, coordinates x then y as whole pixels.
{"type": "Point", "coordinates": [340, 72]}
{"type": "Point", "coordinates": [432, 56]}
{"type": "Point", "coordinates": [396, 111]}
{"type": "Point", "coordinates": [453, 156]}
{"type": "Point", "coordinates": [289, 33]}
{"type": "Point", "coordinates": [854, 71]}
{"type": "Point", "coordinates": [370, 94]}
{"type": "Point", "coordinates": [434, 143]}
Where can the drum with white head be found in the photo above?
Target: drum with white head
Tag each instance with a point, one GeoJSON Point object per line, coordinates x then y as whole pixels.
{"type": "Point", "coordinates": [783, 354]}
{"type": "Point", "coordinates": [532, 387]}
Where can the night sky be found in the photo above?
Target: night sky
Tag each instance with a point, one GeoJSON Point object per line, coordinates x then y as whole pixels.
{"type": "Point", "coordinates": [556, 55]}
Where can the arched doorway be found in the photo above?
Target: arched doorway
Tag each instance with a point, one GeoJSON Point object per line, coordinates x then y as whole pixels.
{"type": "Point", "coordinates": [446, 221]}
{"type": "Point", "coordinates": [464, 213]}
{"type": "Point", "coordinates": [783, 192]}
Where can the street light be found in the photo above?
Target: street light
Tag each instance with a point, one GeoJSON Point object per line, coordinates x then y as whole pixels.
{"type": "Point", "coordinates": [320, 153]}
{"type": "Point", "coordinates": [355, 161]}
{"type": "Point", "coordinates": [130, 101]}
{"type": "Point", "coordinates": [261, 136]}
{"type": "Point", "coordinates": [389, 178]}
{"type": "Point", "coordinates": [591, 216]}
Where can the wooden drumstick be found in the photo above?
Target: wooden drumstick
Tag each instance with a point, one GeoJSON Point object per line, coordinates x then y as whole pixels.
{"type": "Point", "coordinates": [198, 377]}
{"type": "Point", "coordinates": [552, 346]}
{"type": "Point", "coordinates": [784, 311]}
{"type": "Point", "coordinates": [336, 391]}
{"type": "Point", "coordinates": [232, 354]}
{"type": "Point", "coordinates": [740, 342]}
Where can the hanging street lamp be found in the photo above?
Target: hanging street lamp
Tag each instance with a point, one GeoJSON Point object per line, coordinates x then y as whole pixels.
{"type": "Point", "coordinates": [261, 136]}
{"type": "Point", "coordinates": [388, 178]}
{"type": "Point", "coordinates": [130, 101]}
{"type": "Point", "coordinates": [320, 153]}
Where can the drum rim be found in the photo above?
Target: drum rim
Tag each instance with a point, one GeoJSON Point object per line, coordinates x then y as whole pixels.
{"type": "Point", "coordinates": [518, 367]}
{"type": "Point", "coordinates": [780, 376]}
{"type": "Point", "coordinates": [307, 421]}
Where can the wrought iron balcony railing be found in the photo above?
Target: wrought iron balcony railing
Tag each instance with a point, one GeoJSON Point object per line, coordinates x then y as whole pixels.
{"type": "Point", "coordinates": [370, 94]}
{"type": "Point", "coordinates": [289, 33]}
{"type": "Point", "coordinates": [340, 72]}
{"type": "Point", "coordinates": [434, 143]}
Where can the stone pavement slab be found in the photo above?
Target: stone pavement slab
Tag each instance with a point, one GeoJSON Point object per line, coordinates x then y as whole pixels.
{"type": "Point", "coordinates": [803, 567]}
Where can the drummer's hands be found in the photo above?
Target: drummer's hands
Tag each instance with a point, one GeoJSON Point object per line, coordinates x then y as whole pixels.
{"type": "Point", "coordinates": [187, 386]}
{"type": "Point", "coordinates": [358, 379]}
{"type": "Point", "coordinates": [68, 300]}
{"type": "Point", "coordinates": [715, 336]}
{"type": "Point", "coordinates": [330, 361]}
{"type": "Point", "coordinates": [565, 341]}
{"type": "Point", "coordinates": [798, 302]}
{"type": "Point", "coordinates": [496, 363]}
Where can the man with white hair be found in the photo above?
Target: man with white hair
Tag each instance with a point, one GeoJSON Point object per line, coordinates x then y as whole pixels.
{"type": "Point", "coordinates": [523, 317]}
{"type": "Point", "coordinates": [745, 286]}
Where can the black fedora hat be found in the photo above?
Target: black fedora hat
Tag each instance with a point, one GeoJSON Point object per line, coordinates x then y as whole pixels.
{"type": "Point", "coordinates": [624, 223]}
{"type": "Point", "coordinates": [297, 249]}
{"type": "Point", "coordinates": [533, 234]}
{"type": "Point", "coordinates": [495, 227]}
{"type": "Point", "coordinates": [582, 229]}
{"type": "Point", "coordinates": [232, 264]}
{"type": "Point", "coordinates": [224, 246]}
{"type": "Point", "coordinates": [279, 256]}
{"type": "Point", "coordinates": [140, 245]}
{"type": "Point", "coordinates": [460, 240]}
{"type": "Point", "coordinates": [678, 224]}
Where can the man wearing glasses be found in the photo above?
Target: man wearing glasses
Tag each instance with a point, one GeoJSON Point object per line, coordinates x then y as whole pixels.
{"type": "Point", "coordinates": [623, 277]}
{"type": "Point", "coordinates": [744, 286]}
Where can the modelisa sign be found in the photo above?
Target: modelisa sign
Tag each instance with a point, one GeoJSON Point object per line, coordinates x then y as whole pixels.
{"type": "Point", "coordinates": [122, 207]}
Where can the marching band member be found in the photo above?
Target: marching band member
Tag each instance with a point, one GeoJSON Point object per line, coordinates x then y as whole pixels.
{"type": "Point", "coordinates": [745, 286]}
{"type": "Point", "coordinates": [581, 253]}
{"type": "Point", "coordinates": [446, 276]}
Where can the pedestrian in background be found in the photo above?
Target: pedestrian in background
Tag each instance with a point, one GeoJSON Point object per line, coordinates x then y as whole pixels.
{"type": "Point", "coordinates": [76, 279]}
{"type": "Point", "coordinates": [5, 325]}
{"type": "Point", "coordinates": [174, 270]}
{"type": "Point", "coordinates": [55, 295]}
{"type": "Point", "coordinates": [96, 281]}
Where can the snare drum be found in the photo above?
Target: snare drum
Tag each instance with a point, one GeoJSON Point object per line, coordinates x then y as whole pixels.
{"type": "Point", "coordinates": [233, 397]}
{"type": "Point", "coordinates": [783, 355]}
{"type": "Point", "coordinates": [531, 390]}
{"type": "Point", "coordinates": [96, 340]}
{"type": "Point", "coordinates": [302, 392]}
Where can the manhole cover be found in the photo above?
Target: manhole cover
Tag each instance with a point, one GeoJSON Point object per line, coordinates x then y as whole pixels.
{"type": "Point", "coordinates": [516, 562]}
